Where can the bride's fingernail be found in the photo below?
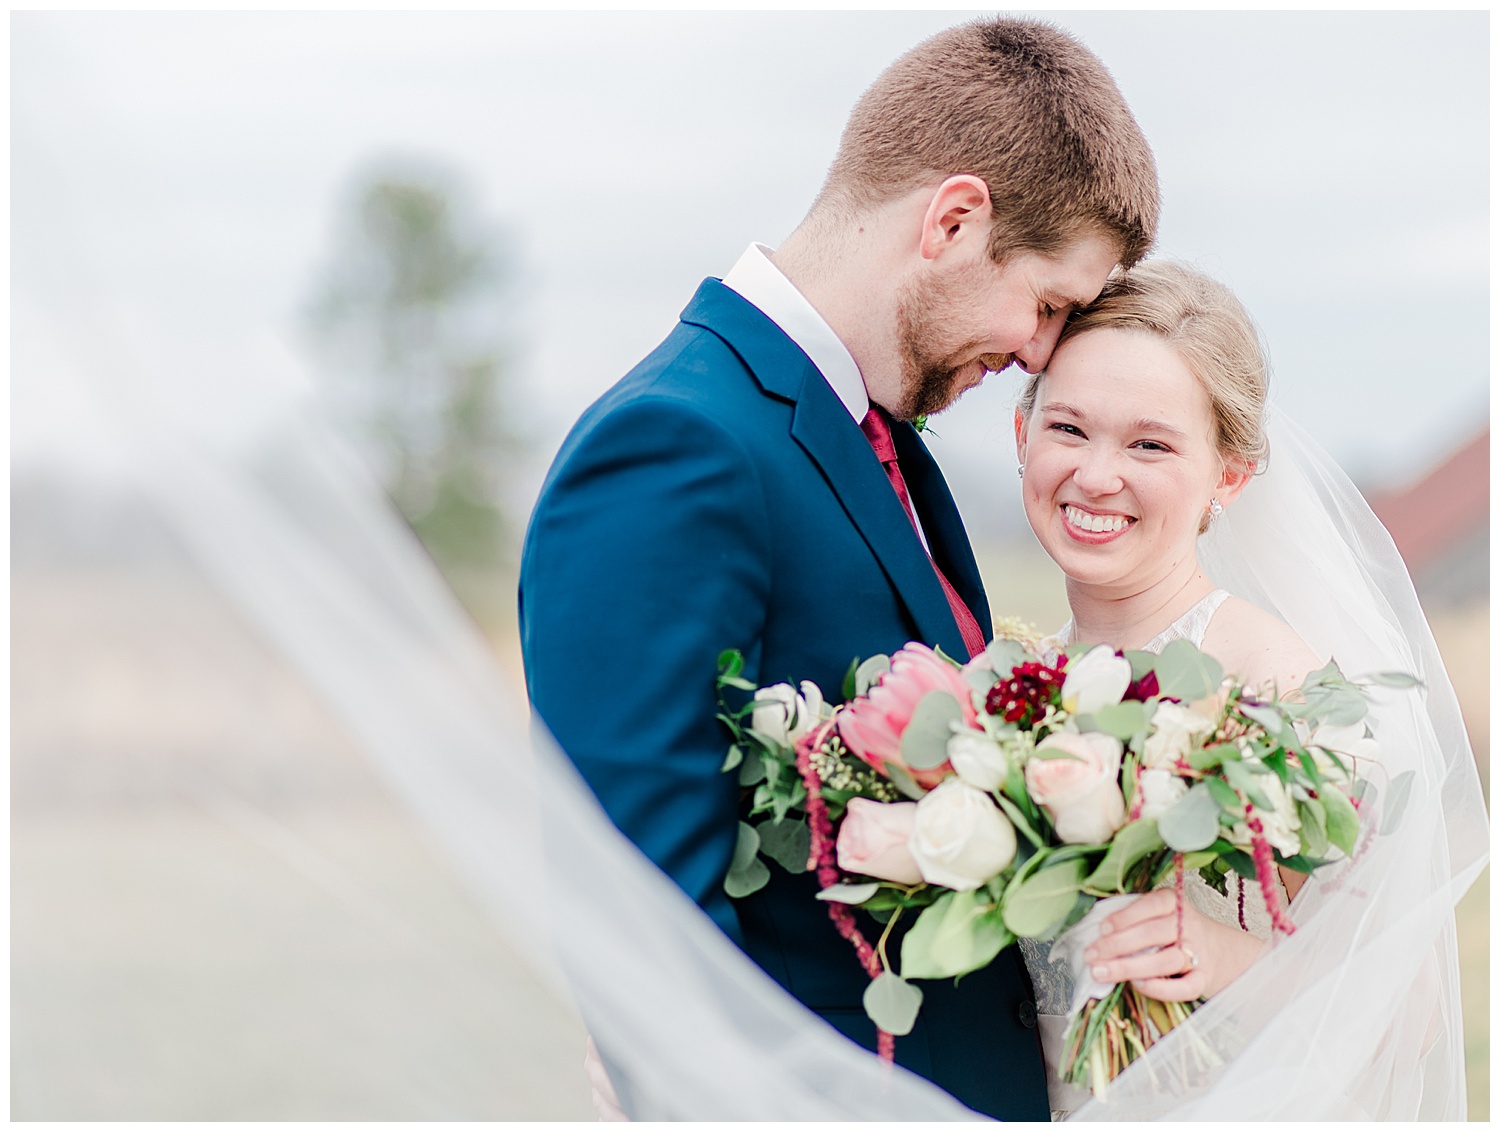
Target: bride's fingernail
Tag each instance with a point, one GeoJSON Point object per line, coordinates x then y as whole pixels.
{"type": "Point", "coordinates": [1106, 927]}
{"type": "Point", "coordinates": [1099, 971]}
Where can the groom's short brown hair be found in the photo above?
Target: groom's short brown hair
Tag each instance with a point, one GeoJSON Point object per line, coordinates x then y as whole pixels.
{"type": "Point", "coordinates": [1023, 106]}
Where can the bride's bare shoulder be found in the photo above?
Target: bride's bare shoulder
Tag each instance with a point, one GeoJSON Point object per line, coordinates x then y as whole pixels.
{"type": "Point", "coordinates": [1258, 647]}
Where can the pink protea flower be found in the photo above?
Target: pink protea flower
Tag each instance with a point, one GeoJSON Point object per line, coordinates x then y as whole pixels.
{"type": "Point", "coordinates": [871, 727]}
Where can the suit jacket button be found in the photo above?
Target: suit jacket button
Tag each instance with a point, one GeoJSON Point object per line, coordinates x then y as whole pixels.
{"type": "Point", "coordinates": [1027, 1014]}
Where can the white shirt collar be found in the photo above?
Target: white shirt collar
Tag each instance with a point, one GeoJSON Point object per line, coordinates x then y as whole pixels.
{"type": "Point", "coordinates": [758, 280]}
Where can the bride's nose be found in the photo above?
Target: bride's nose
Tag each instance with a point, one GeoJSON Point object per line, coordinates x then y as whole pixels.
{"type": "Point", "coordinates": [1097, 472]}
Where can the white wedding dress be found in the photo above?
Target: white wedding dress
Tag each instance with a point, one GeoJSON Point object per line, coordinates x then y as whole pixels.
{"type": "Point", "coordinates": [1241, 905]}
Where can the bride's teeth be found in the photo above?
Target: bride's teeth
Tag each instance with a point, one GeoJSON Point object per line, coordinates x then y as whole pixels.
{"type": "Point", "coordinates": [1096, 524]}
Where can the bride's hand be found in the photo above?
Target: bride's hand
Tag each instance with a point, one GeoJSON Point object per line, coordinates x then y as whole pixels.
{"type": "Point", "coordinates": [1169, 974]}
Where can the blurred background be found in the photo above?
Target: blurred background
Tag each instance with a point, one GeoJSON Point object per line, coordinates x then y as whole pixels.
{"type": "Point", "coordinates": [447, 234]}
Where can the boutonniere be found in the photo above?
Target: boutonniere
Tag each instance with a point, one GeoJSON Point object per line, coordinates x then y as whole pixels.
{"type": "Point", "coordinates": [920, 424]}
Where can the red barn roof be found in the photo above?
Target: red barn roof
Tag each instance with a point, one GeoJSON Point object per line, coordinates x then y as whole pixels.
{"type": "Point", "coordinates": [1437, 512]}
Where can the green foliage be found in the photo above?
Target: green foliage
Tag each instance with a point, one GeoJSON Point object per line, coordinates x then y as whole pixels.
{"type": "Point", "coordinates": [1131, 845]}
{"type": "Point", "coordinates": [1037, 902]}
{"type": "Point", "coordinates": [404, 323]}
{"type": "Point", "coordinates": [892, 1003]}
{"type": "Point", "coordinates": [1193, 821]}
{"type": "Point", "coordinates": [958, 933]}
{"type": "Point", "coordinates": [1186, 673]}
{"type": "Point", "coordinates": [747, 872]}
{"type": "Point", "coordinates": [924, 743]}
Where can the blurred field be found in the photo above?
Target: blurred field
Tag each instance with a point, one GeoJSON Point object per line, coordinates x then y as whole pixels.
{"type": "Point", "coordinates": [217, 910]}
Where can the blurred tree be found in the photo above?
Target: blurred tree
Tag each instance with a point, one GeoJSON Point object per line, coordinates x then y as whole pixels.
{"type": "Point", "coordinates": [409, 324]}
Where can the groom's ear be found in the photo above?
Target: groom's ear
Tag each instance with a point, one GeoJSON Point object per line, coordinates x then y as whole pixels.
{"type": "Point", "coordinates": [957, 215]}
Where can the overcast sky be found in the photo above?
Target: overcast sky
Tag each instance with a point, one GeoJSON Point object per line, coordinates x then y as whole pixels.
{"type": "Point", "coordinates": [177, 177]}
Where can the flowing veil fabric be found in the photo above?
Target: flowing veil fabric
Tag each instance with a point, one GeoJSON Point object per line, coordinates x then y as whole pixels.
{"type": "Point", "coordinates": [1356, 1015]}
{"type": "Point", "coordinates": [287, 525]}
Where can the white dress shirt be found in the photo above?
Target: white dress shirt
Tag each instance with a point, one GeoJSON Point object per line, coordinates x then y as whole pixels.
{"type": "Point", "coordinates": [759, 281]}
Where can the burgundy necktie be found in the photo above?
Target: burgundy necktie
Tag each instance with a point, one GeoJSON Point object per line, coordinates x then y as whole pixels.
{"type": "Point", "coordinates": [878, 432]}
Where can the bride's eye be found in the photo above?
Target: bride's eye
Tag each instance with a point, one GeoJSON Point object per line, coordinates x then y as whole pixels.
{"type": "Point", "coordinates": [1151, 446]}
{"type": "Point", "coordinates": [1066, 428]}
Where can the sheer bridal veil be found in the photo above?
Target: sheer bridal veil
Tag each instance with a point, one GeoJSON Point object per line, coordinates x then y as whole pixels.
{"type": "Point", "coordinates": [1356, 1015]}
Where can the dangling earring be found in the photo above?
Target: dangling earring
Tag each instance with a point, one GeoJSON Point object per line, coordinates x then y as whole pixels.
{"type": "Point", "coordinates": [1215, 509]}
{"type": "Point", "coordinates": [1020, 469]}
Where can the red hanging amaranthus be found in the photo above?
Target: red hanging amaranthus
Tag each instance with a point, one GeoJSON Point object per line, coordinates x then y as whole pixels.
{"type": "Point", "coordinates": [1265, 872]}
{"type": "Point", "coordinates": [823, 860]}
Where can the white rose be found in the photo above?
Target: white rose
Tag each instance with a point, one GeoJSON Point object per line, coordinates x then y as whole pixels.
{"type": "Point", "coordinates": [960, 839]}
{"type": "Point", "coordinates": [1159, 789]}
{"type": "Point", "coordinates": [1173, 729]}
{"type": "Point", "coordinates": [1096, 680]}
{"type": "Point", "coordinates": [978, 760]}
{"type": "Point", "coordinates": [1279, 824]}
{"type": "Point", "coordinates": [1081, 792]}
{"type": "Point", "coordinates": [781, 714]}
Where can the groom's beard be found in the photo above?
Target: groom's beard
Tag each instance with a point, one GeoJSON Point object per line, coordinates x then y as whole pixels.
{"type": "Point", "coordinates": [933, 371]}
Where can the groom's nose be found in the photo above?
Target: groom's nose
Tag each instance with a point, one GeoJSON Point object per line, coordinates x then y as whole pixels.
{"type": "Point", "coordinates": [1033, 356]}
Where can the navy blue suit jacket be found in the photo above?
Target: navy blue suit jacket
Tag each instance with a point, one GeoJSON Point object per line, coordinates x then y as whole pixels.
{"type": "Point", "coordinates": [721, 496]}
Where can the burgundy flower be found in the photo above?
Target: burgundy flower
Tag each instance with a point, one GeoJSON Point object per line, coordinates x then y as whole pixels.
{"type": "Point", "coordinates": [1023, 696]}
{"type": "Point", "coordinates": [1144, 688]}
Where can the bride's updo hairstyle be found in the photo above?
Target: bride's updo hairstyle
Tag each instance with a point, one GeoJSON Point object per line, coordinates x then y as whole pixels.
{"type": "Point", "coordinates": [1210, 331]}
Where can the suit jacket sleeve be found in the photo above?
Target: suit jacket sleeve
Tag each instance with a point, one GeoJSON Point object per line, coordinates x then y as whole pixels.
{"type": "Point", "coordinates": [645, 559]}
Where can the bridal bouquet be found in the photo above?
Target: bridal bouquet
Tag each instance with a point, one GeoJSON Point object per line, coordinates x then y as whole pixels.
{"type": "Point", "coordinates": [1002, 798]}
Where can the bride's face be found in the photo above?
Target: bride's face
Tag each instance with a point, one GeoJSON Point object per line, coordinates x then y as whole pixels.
{"type": "Point", "coordinates": [1120, 460]}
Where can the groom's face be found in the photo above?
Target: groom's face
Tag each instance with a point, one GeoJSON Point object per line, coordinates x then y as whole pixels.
{"type": "Point", "coordinates": [979, 317]}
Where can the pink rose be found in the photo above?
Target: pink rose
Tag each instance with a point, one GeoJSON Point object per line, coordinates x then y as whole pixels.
{"type": "Point", "coordinates": [872, 840]}
{"type": "Point", "coordinates": [871, 727]}
{"type": "Point", "coordinates": [1081, 792]}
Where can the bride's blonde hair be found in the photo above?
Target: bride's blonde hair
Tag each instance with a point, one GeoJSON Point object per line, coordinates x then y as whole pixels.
{"type": "Point", "coordinates": [1209, 329]}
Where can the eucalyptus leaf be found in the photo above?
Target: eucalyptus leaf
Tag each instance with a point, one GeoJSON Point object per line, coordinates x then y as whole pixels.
{"type": "Point", "coordinates": [752, 771]}
{"type": "Point", "coordinates": [1037, 907]}
{"type": "Point", "coordinates": [1141, 662]}
{"type": "Point", "coordinates": [869, 672]}
{"type": "Point", "coordinates": [1314, 826]}
{"type": "Point", "coordinates": [1213, 756]}
{"type": "Point", "coordinates": [1343, 821]}
{"type": "Point", "coordinates": [924, 743]}
{"type": "Point", "coordinates": [747, 872]}
{"type": "Point", "coordinates": [1223, 793]}
{"type": "Point", "coordinates": [849, 893]}
{"type": "Point", "coordinates": [1192, 822]}
{"type": "Point", "coordinates": [1268, 718]}
{"type": "Point", "coordinates": [732, 759]}
{"type": "Point", "coordinates": [1019, 820]}
{"type": "Point", "coordinates": [1122, 720]}
{"type": "Point", "coordinates": [1394, 679]}
{"type": "Point", "coordinates": [979, 679]}
{"type": "Point", "coordinates": [786, 841]}
{"type": "Point", "coordinates": [904, 782]}
{"type": "Point", "coordinates": [1130, 844]}
{"type": "Point", "coordinates": [1187, 673]}
{"type": "Point", "coordinates": [960, 932]}
{"type": "Point", "coordinates": [892, 1003]}
{"type": "Point", "coordinates": [1004, 654]}
{"type": "Point", "coordinates": [731, 663]}
{"type": "Point", "coordinates": [1243, 780]}
{"type": "Point", "coordinates": [1329, 671]}
{"type": "Point", "coordinates": [1395, 804]}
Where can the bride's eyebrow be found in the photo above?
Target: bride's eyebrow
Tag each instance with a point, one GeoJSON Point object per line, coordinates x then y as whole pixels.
{"type": "Point", "coordinates": [1062, 407]}
{"type": "Point", "coordinates": [1147, 424]}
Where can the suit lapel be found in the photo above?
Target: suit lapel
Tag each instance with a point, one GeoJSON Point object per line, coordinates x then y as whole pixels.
{"type": "Point", "coordinates": [826, 432]}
